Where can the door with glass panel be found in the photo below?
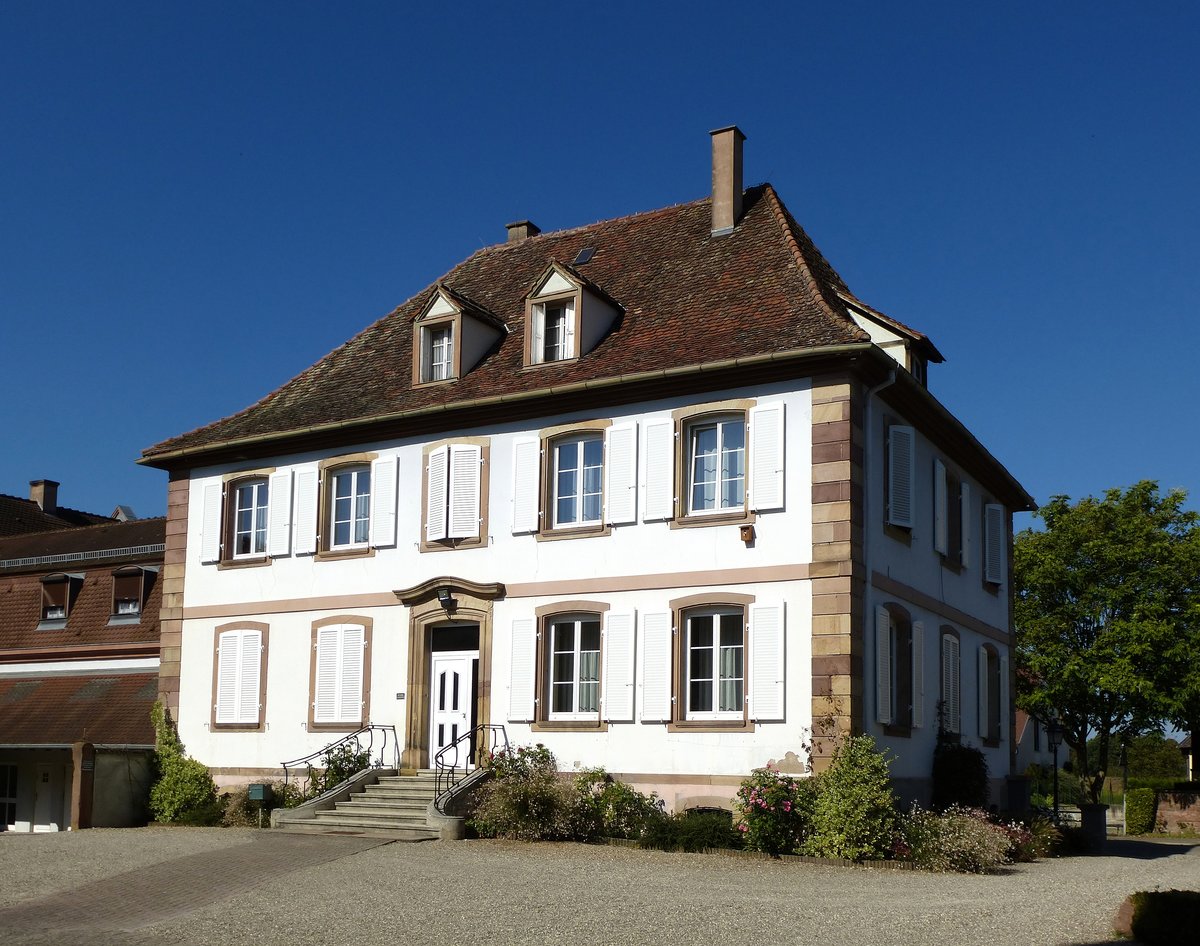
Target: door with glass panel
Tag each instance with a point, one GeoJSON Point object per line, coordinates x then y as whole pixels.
{"type": "Point", "coordinates": [452, 713]}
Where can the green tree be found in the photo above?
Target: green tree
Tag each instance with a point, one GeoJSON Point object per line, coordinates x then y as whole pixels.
{"type": "Point", "coordinates": [1103, 596]}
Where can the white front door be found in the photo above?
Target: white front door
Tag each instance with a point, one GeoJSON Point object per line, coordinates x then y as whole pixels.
{"type": "Point", "coordinates": [451, 712]}
{"type": "Point", "coordinates": [47, 799]}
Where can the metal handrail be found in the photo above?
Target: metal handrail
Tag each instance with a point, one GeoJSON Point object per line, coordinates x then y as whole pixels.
{"type": "Point", "coordinates": [355, 738]}
{"type": "Point", "coordinates": [446, 763]}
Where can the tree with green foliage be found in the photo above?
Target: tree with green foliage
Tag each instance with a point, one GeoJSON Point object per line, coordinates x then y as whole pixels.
{"type": "Point", "coordinates": [1103, 595]}
{"type": "Point", "coordinates": [184, 791]}
{"type": "Point", "coordinates": [854, 815]}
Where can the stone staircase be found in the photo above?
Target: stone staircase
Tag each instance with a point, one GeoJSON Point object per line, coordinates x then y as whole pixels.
{"type": "Point", "coordinates": [393, 806]}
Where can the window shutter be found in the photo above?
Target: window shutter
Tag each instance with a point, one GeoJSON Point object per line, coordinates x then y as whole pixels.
{"type": "Point", "coordinates": [982, 693]}
{"type": "Point", "coordinates": [620, 471]}
{"type": "Point", "coordinates": [325, 698]}
{"type": "Point", "coordinates": [526, 474]}
{"type": "Point", "coordinates": [465, 469]}
{"type": "Point", "coordinates": [1004, 698]}
{"type": "Point", "coordinates": [383, 502]}
{"type": "Point", "coordinates": [618, 667]}
{"type": "Point", "coordinates": [918, 674]}
{"type": "Point", "coordinates": [537, 343]}
{"type": "Point", "coordinates": [210, 527]}
{"type": "Point", "coordinates": [883, 665]}
{"type": "Point", "coordinates": [656, 667]}
{"type": "Point", "coordinates": [350, 688]}
{"type": "Point", "coordinates": [900, 476]}
{"type": "Point", "coordinates": [766, 662]}
{"type": "Point", "coordinates": [228, 659]}
{"type": "Point", "coordinates": [279, 514]}
{"type": "Point", "coordinates": [950, 683]}
{"type": "Point", "coordinates": [249, 671]}
{"type": "Point", "coordinates": [659, 488]}
{"type": "Point", "coordinates": [766, 457]}
{"type": "Point", "coordinates": [520, 676]}
{"type": "Point", "coordinates": [993, 543]}
{"type": "Point", "coordinates": [941, 525]}
{"type": "Point", "coordinates": [435, 493]}
{"type": "Point", "coordinates": [571, 327]}
{"type": "Point", "coordinates": [307, 506]}
{"type": "Point", "coordinates": [965, 520]}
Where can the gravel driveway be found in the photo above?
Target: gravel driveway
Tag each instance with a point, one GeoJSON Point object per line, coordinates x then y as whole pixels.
{"type": "Point", "coordinates": [468, 891]}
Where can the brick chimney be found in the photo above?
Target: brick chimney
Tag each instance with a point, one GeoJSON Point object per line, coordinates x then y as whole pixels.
{"type": "Point", "coordinates": [726, 179]}
{"type": "Point", "coordinates": [45, 494]}
{"type": "Point", "coordinates": [521, 230]}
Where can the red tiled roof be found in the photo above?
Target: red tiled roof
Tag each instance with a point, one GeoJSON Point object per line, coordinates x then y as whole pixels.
{"type": "Point", "coordinates": [20, 516]}
{"type": "Point", "coordinates": [688, 298]}
{"type": "Point", "coordinates": [96, 538]}
{"type": "Point", "coordinates": [111, 709]}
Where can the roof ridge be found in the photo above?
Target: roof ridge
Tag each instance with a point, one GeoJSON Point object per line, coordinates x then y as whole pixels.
{"type": "Point", "coordinates": [825, 305]}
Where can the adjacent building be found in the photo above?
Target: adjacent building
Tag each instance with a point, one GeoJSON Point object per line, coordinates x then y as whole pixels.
{"type": "Point", "coordinates": [658, 492]}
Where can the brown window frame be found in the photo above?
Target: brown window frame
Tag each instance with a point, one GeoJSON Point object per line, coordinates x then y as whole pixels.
{"type": "Point", "coordinates": [687, 418]}
{"type": "Point", "coordinates": [485, 458]}
{"type": "Point", "coordinates": [229, 487]}
{"type": "Point", "coordinates": [681, 610]}
{"type": "Point", "coordinates": [138, 576]}
{"type": "Point", "coordinates": [368, 625]}
{"type": "Point", "coordinates": [327, 470]}
{"type": "Point", "coordinates": [545, 616]}
{"type": "Point", "coordinates": [70, 583]}
{"type": "Point", "coordinates": [265, 630]}
{"type": "Point", "coordinates": [902, 672]}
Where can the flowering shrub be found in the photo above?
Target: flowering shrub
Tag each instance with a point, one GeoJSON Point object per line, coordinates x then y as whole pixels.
{"type": "Point", "coordinates": [608, 808]}
{"type": "Point", "coordinates": [961, 840]}
{"type": "Point", "coordinates": [854, 814]}
{"type": "Point", "coordinates": [525, 800]}
{"type": "Point", "coordinates": [775, 811]}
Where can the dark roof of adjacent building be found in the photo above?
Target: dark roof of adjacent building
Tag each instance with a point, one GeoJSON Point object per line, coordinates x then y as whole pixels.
{"type": "Point", "coordinates": [107, 709]}
{"type": "Point", "coordinates": [108, 540]}
{"type": "Point", "coordinates": [687, 298]}
{"type": "Point", "coordinates": [20, 516]}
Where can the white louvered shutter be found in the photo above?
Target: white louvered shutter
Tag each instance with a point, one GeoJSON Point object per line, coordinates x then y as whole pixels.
{"type": "Point", "coordinates": [883, 665]}
{"type": "Point", "coordinates": [325, 697]}
{"type": "Point", "coordinates": [658, 490]}
{"type": "Point", "coordinates": [436, 491]}
{"type": "Point", "coordinates": [982, 693]}
{"type": "Point", "coordinates": [620, 472]}
{"type": "Point", "coordinates": [248, 677]}
{"type": "Point", "coordinates": [618, 667]}
{"type": "Point", "coordinates": [228, 661]}
{"type": "Point", "coordinates": [766, 662]}
{"type": "Point", "coordinates": [571, 320]}
{"type": "Point", "coordinates": [520, 674]}
{"type": "Point", "coordinates": [965, 520]}
{"type": "Point", "coordinates": [527, 456]}
{"type": "Point", "coordinates": [304, 541]}
{"type": "Point", "coordinates": [918, 674]}
{"type": "Point", "coordinates": [1003, 698]}
{"type": "Point", "coordinates": [951, 684]}
{"type": "Point", "coordinates": [901, 457]}
{"type": "Point", "coordinates": [993, 543]}
{"type": "Point", "coordinates": [941, 523]}
{"type": "Point", "coordinates": [766, 457]}
{"type": "Point", "coordinates": [350, 682]}
{"type": "Point", "coordinates": [465, 478]}
{"type": "Point", "coordinates": [279, 514]}
{"type": "Point", "coordinates": [383, 502]}
{"type": "Point", "coordinates": [537, 349]}
{"type": "Point", "coordinates": [656, 667]}
{"type": "Point", "coordinates": [210, 526]}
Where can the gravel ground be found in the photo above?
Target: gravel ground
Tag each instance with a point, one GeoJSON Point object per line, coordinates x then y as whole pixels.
{"type": "Point", "coordinates": [451, 893]}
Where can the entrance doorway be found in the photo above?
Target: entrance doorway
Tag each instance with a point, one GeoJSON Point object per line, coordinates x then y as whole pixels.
{"type": "Point", "coordinates": [453, 691]}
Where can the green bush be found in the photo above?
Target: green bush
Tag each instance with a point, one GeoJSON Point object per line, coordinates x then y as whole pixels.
{"type": "Point", "coordinates": [1141, 806]}
{"type": "Point", "coordinates": [241, 812]}
{"type": "Point", "coordinates": [1046, 839]}
{"type": "Point", "coordinates": [526, 800]}
{"type": "Point", "coordinates": [184, 791]}
{"type": "Point", "coordinates": [1161, 916]}
{"type": "Point", "coordinates": [339, 763]}
{"type": "Point", "coordinates": [961, 840]}
{"type": "Point", "coordinates": [854, 815]}
{"type": "Point", "coordinates": [775, 811]}
{"type": "Point", "coordinates": [960, 776]}
{"type": "Point", "coordinates": [690, 831]}
{"type": "Point", "coordinates": [611, 809]}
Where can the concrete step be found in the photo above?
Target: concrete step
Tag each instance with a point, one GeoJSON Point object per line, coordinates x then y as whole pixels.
{"type": "Point", "coordinates": [398, 832]}
{"type": "Point", "coordinates": [414, 815]}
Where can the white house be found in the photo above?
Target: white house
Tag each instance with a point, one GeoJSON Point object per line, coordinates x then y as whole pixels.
{"type": "Point", "coordinates": [659, 492]}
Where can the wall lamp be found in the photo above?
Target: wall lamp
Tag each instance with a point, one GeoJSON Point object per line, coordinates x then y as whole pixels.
{"type": "Point", "coordinates": [445, 599]}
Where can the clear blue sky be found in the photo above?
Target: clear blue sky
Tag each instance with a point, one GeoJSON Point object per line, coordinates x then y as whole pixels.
{"type": "Point", "coordinates": [197, 201]}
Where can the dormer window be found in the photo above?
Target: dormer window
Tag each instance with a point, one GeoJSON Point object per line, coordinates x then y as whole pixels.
{"type": "Point", "coordinates": [131, 585]}
{"type": "Point", "coordinates": [58, 594]}
{"type": "Point", "coordinates": [450, 337]}
{"type": "Point", "coordinates": [566, 316]}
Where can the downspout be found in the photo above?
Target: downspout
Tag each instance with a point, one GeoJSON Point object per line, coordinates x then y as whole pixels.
{"type": "Point", "coordinates": [866, 503]}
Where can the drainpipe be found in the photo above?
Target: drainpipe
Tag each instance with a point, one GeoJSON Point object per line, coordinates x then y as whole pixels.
{"type": "Point", "coordinates": [866, 506]}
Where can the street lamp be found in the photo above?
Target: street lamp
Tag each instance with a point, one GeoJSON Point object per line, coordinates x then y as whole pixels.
{"type": "Point", "coordinates": [1054, 734]}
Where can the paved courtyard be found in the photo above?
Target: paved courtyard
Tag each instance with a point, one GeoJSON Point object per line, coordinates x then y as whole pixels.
{"type": "Point", "coordinates": [209, 886]}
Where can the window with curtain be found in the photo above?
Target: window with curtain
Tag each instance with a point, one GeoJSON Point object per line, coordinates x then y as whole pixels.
{"type": "Point", "coordinates": [715, 664]}
{"type": "Point", "coordinates": [574, 666]}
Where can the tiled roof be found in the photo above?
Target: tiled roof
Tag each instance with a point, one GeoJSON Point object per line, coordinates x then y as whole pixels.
{"type": "Point", "coordinates": [688, 298]}
{"type": "Point", "coordinates": [111, 709]}
{"type": "Point", "coordinates": [88, 539]}
{"type": "Point", "coordinates": [88, 619]}
{"type": "Point", "coordinates": [21, 516]}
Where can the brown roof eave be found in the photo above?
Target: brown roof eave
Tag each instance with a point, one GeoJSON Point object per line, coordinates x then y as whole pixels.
{"type": "Point", "coordinates": [622, 389]}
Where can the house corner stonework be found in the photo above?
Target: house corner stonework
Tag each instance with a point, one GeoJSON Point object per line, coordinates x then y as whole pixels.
{"type": "Point", "coordinates": [171, 620]}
